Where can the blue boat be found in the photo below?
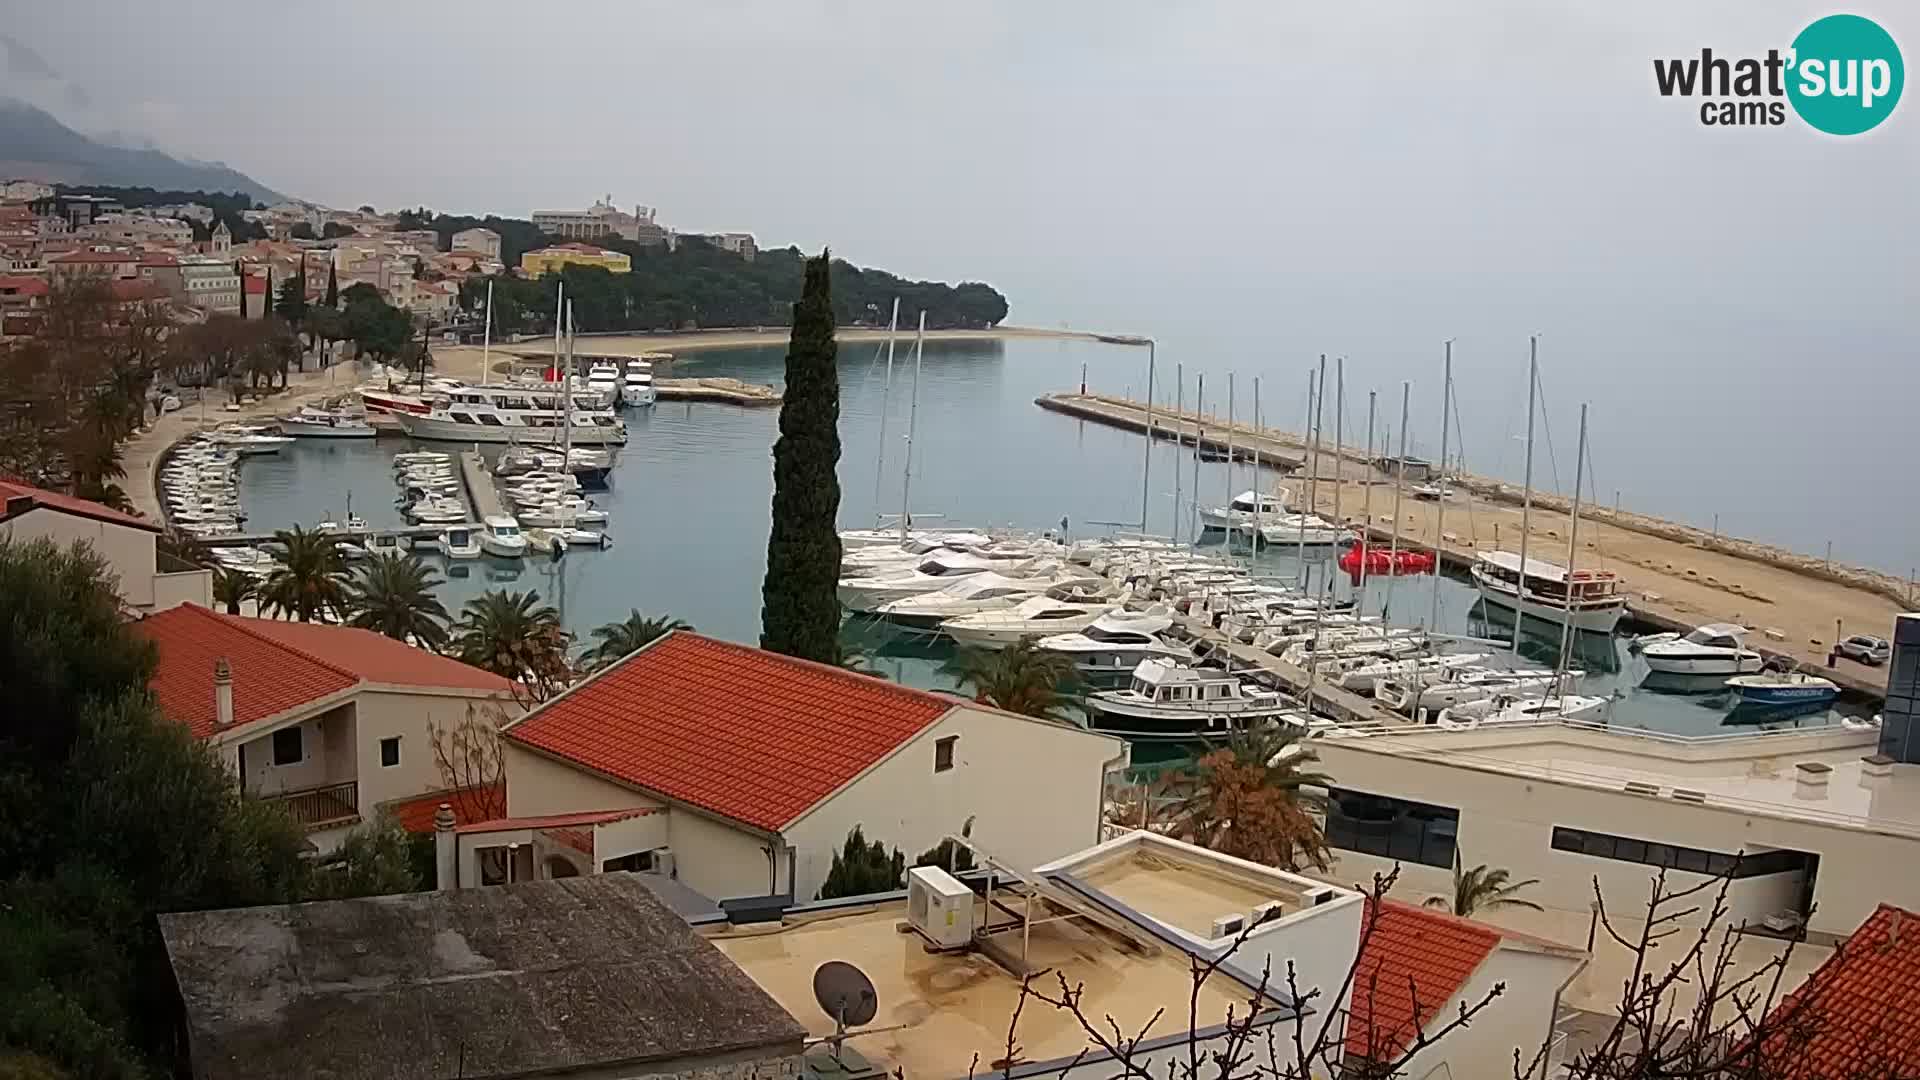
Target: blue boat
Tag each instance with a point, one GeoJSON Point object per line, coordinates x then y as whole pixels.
{"type": "Point", "coordinates": [1782, 688]}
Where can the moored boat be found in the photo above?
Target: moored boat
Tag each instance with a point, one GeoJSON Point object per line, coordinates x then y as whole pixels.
{"type": "Point", "coordinates": [1783, 688]}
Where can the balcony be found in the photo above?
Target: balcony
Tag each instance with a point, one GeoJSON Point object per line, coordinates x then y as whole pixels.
{"type": "Point", "coordinates": [322, 807]}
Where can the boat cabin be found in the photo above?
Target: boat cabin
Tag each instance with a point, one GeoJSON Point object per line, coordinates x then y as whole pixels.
{"type": "Point", "coordinates": [1549, 582]}
{"type": "Point", "coordinates": [1249, 503]}
{"type": "Point", "coordinates": [1164, 682]}
{"type": "Point", "coordinates": [1717, 636]}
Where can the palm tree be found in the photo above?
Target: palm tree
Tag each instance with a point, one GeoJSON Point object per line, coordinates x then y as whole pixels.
{"type": "Point", "coordinates": [617, 639]}
{"type": "Point", "coordinates": [1021, 679]}
{"type": "Point", "coordinates": [1255, 798]}
{"type": "Point", "coordinates": [1482, 887]}
{"type": "Point", "coordinates": [514, 635]}
{"type": "Point", "coordinates": [231, 588]}
{"type": "Point", "coordinates": [393, 595]}
{"type": "Point", "coordinates": [311, 580]}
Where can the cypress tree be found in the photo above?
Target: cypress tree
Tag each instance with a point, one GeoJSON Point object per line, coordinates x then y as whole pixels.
{"type": "Point", "coordinates": [800, 610]}
{"type": "Point", "coordinates": [333, 287]}
{"type": "Point", "coordinates": [266, 296]}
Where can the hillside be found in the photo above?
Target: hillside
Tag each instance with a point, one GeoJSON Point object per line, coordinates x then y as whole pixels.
{"type": "Point", "coordinates": [34, 145]}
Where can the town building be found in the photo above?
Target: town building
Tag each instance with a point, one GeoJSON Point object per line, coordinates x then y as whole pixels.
{"type": "Point", "coordinates": [547, 260]}
{"type": "Point", "coordinates": [1855, 1016]}
{"type": "Point", "coordinates": [480, 241]}
{"type": "Point", "coordinates": [740, 772]}
{"type": "Point", "coordinates": [604, 219]}
{"type": "Point", "coordinates": [584, 979]}
{"type": "Point", "coordinates": [739, 243]}
{"type": "Point", "coordinates": [163, 269]}
{"type": "Point", "coordinates": [22, 298]}
{"type": "Point", "coordinates": [97, 260]}
{"type": "Point", "coordinates": [148, 580]}
{"type": "Point", "coordinates": [433, 301]}
{"type": "Point", "coordinates": [74, 211]}
{"type": "Point", "coordinates": [24, 190]}
{"type": "Point", "coordinates": [140, 229]}
{"type": "Point", "coordinates": [192, 211]}
{"type": "Point", "coordinates": [333, 721]}
{"type": "Point", "coordinates": [210, 284]}
{"type": "Point", "coordinates": [221, 240]}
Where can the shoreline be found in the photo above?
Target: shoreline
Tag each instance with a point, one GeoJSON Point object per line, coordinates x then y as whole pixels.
{"type": "Point", "coordinates": [626, 343]}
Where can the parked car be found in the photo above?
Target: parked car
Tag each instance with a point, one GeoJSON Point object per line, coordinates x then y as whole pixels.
{"type": "Point", "coordinates": [1865, 649]}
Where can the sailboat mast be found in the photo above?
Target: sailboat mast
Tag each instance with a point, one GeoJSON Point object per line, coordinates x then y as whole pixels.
{"type": "Point", "coordinates": [566, 398]}
{"type": "Point", "coordinates": [1573, 550]}
{"type": "Point", "coordinates": [1199, 431]}
{"type": "Point", "coordinates": [1526, 497]}
{"type": "Point", "coordinates": [1399, 486]}
{"type": "Point", "coordinates": [1440, 510]}
{"type": "Point", "coordinates": [1339, 440]}
{"type": "Point", "coordinates": [913, 416]}
{"type": "Point", "coordinates": [1366, 504]}
{"type": "Point", "coordinates": [1146, 462]}
{"type": "Point", "coordinates": [1179, 440]}
{"type": "Point", "coordinates": [1232, 526]}
{"type": "Point", "coordinates": [886, 403]}
{"type": "Point", "coordinates": [1299, 515]}
{"type": "Point", "coordinates": [1259, 490]}
{"type": "Point", "coordinates": [486, 338]}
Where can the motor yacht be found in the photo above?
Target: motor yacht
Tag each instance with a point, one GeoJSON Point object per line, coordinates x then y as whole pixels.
{"type": "Point", "coordinates": [1244, 509]}
{"type": "Point", "coordinates": [500, 537]}
{"type": "Point", "coordinates": [1713, 649]}
{"type": "Point", "coordinates": [1503, 709]}
{"type": "Point", "coordinates": [311, 423]}
{"type": "Point", "coordinates": [936, 571]}
{"type": "Point", "coordinates": [1175, 702]}
{"type": "Point", "coordinates": [1411, 694]}
{"type": "Point", "coordinates": [1366, 678]}
{"type": "Point", "coordinates": [636, 384]}
{"type": "Point", "coordinates": [1116, 642]}
{"type": "Point", "coordinates": [533, 414]}
{"type": "Point", "coordinates": [1308, 529]}
{"type": "Point", "coordinates": [561, 513]}
{"type": "Point", "coordinates": [1063, 609]}
{"type": "Point", "coordinates": [972, 594]}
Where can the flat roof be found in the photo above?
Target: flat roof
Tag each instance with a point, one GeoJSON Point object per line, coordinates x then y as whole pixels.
{"type": "Point", "coordinates": [950, 1007]}
{"type": "Point", "coordinates": [1747, 773]}
{"type": "Point", "coordinates": [1184, 895]}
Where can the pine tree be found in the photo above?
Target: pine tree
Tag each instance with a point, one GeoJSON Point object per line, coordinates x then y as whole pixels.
{"type": "Point", "coordinates": [860, 868]}
{"type": "Point", "coordinates": [800, 610]}
{"type": "Point", "coordinates": [333, 287]}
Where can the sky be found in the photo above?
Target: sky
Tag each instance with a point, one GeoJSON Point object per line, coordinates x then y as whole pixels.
{"type": "Point", "coordinates": [1252, 184]}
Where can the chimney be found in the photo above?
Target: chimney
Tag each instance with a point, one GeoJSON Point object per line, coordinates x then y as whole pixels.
{"type": "Point", "coordinates": [1810, 779]}
{"type": "Point", "coordinates": [446, 859]}
{"type": "Point", "coordinates": [222, 694]}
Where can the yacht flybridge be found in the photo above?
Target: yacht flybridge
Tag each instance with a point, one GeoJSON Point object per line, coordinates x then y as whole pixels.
{"type": "Point", "coordinates": [1585, 599]}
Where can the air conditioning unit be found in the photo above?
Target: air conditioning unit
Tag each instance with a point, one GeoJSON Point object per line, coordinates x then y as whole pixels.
{"type": "Point", "coordinates": [939, 907]}
{"type": "Point", "coordinates": [1228, 925]}
{"type": "Point", "coordinates": [1316, 896]}
{"type": "Point", "coordinates": [663, 861]}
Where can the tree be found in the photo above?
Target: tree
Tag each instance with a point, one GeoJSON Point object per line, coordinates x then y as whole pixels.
{"type": "Point", "coordinates": [326, 326]}
{"type": "Point", "coordinates": [291, 304]}
{"type": "Point", "coordinates": [231, 588]}
{"type": "Point", "coordinates": [1021, 678]}
{"type": "Point", "coordinates": [860, 868]}
{"type": "Point", "coordinates": [333, 230]}
{"type": "Point", "coordinates": [333, 285]}
{"type": "Point", "coordinates": [955, 858]}
{"type": "Point", "coordinates": [1481, 887]}
{"type": "Point", "coordinates": [1254, 799]}
{"type": "Point", "coordinates": [301, 231]}
{"type": "Point", "coordinates": [266, 295]}
{"type": "Point", "coordinates": [375, 859]}
{"type": "Point", "coordinates": [467, 757]}
{"type": "Point", "coordinates": [515, 636]}
{"type": "Point", "coordinates": [311, 579]}
{"type": "Point", "coordinates": [393, 595]}
{"type": "Point", "coordinates": [615, 640]}
{"type": "Point", "coordinates": [800, 609]}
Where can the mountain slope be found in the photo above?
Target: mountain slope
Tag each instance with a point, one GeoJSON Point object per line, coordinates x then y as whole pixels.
{"type": "Point", "coordinates": [36, 146]}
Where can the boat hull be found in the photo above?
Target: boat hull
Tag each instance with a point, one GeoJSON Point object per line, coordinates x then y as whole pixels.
{"type": "Point", "coordinates": [1703, 664]}
{"type": "Point", "coordinates": [1778, 696]}
{"type": "Point", "coordinates": [300, 429]}
{"type": "Point", "coordinates": [429, 427]}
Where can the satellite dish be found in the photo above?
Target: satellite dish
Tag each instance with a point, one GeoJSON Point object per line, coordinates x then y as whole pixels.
{"type": "Point", "coordinates": [846, 993]}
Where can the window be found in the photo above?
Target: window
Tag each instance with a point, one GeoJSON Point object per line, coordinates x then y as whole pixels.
{"type": "Point", "coordinates": [288, 747]}
{"type": "Point", "coordinates": [639, 861]}
{"type": "Point", "coordinates": [1391, 828]}
{"type": "Point", "coordinates": [504, 864]}
{"type": "Point", "coordinates": [943, 752]}
{"type": "Point", "coordinates": [390, 752]}
{"type": "Point", "coordinates": [1674, 857]}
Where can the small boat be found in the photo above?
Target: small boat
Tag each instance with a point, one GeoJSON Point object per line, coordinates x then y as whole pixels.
{"type": "Point", "coordinates": [500, 537]}
{"type": "Point", "coordinates": [1783, 688]}
{"type": "Point", "coordinates": [1507, 710]}
{"type": "Point", "coordinates": [1177, 702]}
{"type": "Point", "coordinates": [1713, 649]}
{"type": "Point", "coordinates": [1429, 492]}
{"type": "Point", "coordinates": [387, 544]}
{"type": "Point", "coordinates": [1245, 508]}
{"type": "Point", "coordinates": [311, 423]}
{"type": "Point", "coordinates": [1308, 529]}
{"type": "Point", "coordinates": [460, 543]}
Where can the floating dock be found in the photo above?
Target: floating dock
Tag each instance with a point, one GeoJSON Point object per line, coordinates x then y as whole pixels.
{"type": "Point", "coordinates": [482, 496]}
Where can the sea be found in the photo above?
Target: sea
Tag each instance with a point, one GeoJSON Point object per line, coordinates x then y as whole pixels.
{"type": "Point", "coordinates": [690, 494]}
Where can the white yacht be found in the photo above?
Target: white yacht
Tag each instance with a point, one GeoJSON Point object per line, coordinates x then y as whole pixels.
{"type": "Point", "coordinates": [1064, 609]}
{"type": "Point", "coordinates": [248, 439]}
{"type": "Point", "coordinates": [561, 513]}
{"type": "Point", "coordinates": [1244, 509]}
{"type": "Point", "coordinates": [531, 413]}
{"type": "Point", "coordinates": [311, 423]}
{"type": "Point", "coordinates": [936, 571]}
{"type": "Point", "coordinates": [636, 384]}
{"type": "Point", "coordinates": [976, 592]}
{"type": "Point", "coordinates": [1412, 693]}
{"type": "Point", "coordinates": [1590, 601]}
{"type": "Point", "coordinates": [1503, 709]}
{"type": "Point", "coordinates": [460, 542]}
{"type": "Point", "coordinates": [501, 537]}
{"type": "Point", "coordinates": [1116, 642]}
{"type": "Point", "coordinates": [1713, 649]}
{"type": "Point", "coordinates": [1175, 702]}
{"type": "Point", "coordinates": [1366, 678]}
{"type": "Point", "coordinates": [1309, 529]}
{"type": "Point", "coordinates": [866, 559]}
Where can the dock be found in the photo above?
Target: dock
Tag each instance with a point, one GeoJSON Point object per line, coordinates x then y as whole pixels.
{"type": "Point", "coordinates": [1675, 576]}
{"type": "Point", "coordinates": [1329, 698]}
{"type": "Point", "coordinates": [718, 390]}
{"type": "Point", "coordinates": [482, 496]}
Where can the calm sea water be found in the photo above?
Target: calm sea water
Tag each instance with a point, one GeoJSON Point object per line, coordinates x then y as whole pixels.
{"type": "Point", "coordinates": [690, 495]}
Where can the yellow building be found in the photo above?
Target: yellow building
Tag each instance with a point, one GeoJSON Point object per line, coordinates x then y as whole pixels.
{"type": "Point", "coordinates": [548, 259]}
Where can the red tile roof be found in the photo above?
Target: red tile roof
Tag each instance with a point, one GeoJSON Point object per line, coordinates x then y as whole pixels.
{"type": "Point", "coordinates": [1860, 1008]}
{"type": "Point", "coordinates": [83, 256]}
{"type": "Point", "coordinates": [556, 821]}
{"type": "Point", "coordinates": [17, 285]}
{"type": "Point", "coordinates": [68, 504]}
{"type": "Point", "coordinates": [415, 815]}
{"type": "Point", "coordinates": [254, 285]}
{"type": "Point", "coordinates": [1413, 951]}
{"type": "Point", "coordinates": [749, 735]}
{"type": "Point", "coordinates": [279, 666]}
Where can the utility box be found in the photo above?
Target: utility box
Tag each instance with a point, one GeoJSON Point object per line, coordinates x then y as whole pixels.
{"type": "Point", "coordinates": [939, 907]}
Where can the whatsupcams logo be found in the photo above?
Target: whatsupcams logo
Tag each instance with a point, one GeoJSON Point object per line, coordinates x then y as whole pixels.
{"type": "Point", "coordinates": [1842, 75]}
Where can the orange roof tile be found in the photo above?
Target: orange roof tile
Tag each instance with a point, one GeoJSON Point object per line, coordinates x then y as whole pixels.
{"type": "Point", "coordinates": [1860, 1007]}
{"type": "Point", "coordinates": [1413, 951]}
{"type": "Point", "coordinates": [750, 735]}
{"type": "Point", "coordinates": [415, 815]}
{"type": "Point", "coordinates": [68, 504]}
{"type": "Point", "coordinates": [557, 821]}
{"type": "Point", "coordinates": [17, 285]}
{"type": "Point", "coordinates": [279, 666]}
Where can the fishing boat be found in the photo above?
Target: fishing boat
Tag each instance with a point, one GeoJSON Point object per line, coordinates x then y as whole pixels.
{"type": "Point", "coordinates": [1063, 609]}
{"type": "Point", "coordinates": [459, 543]}
{"type": "Point", "coordinates": [1177, 702]}
{"type": "Point", "coordinates": [1245, 508]}
{"type": "Point", "coordinates": [1586, 600]}
{"type": "Point", "coordinates": [1116, 642]}
{"type": "Point", "coordinates": [500, 537]}
{"type": "Point", "coordinates": [311, 423]}
{"type": "Point", "coordinates": [1788, 688]}
{"type": "Point", "coordinates": [1713, 649]}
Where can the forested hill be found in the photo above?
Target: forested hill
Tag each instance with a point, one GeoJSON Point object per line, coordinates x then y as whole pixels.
{"type": "Point", "coordinates": [697, 285]}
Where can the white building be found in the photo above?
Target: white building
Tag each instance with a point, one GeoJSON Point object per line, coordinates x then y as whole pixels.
{"type": "Point", "coordinates": [210, 284]}
{"type": "Point", "coordinates": [333, 721]}
{"type": "Point", "coordinates": [139, 228]}
{"type": "Point", "coordinates": [603, 219]}
{"type": "Point", "coordinates": [147, 579]}
{"type": "Point", "coordinates": [479, 241]}
{"type": "Point", "coordinates": [745, 770]}
{"type": "Point", "coordinates": [24, 190]}
{"type": "Point", "coordinates": [195, 211]}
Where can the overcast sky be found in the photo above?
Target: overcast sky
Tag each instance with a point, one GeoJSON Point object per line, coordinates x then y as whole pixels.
{"type": "Point", "coordinates": [1252, 183]}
